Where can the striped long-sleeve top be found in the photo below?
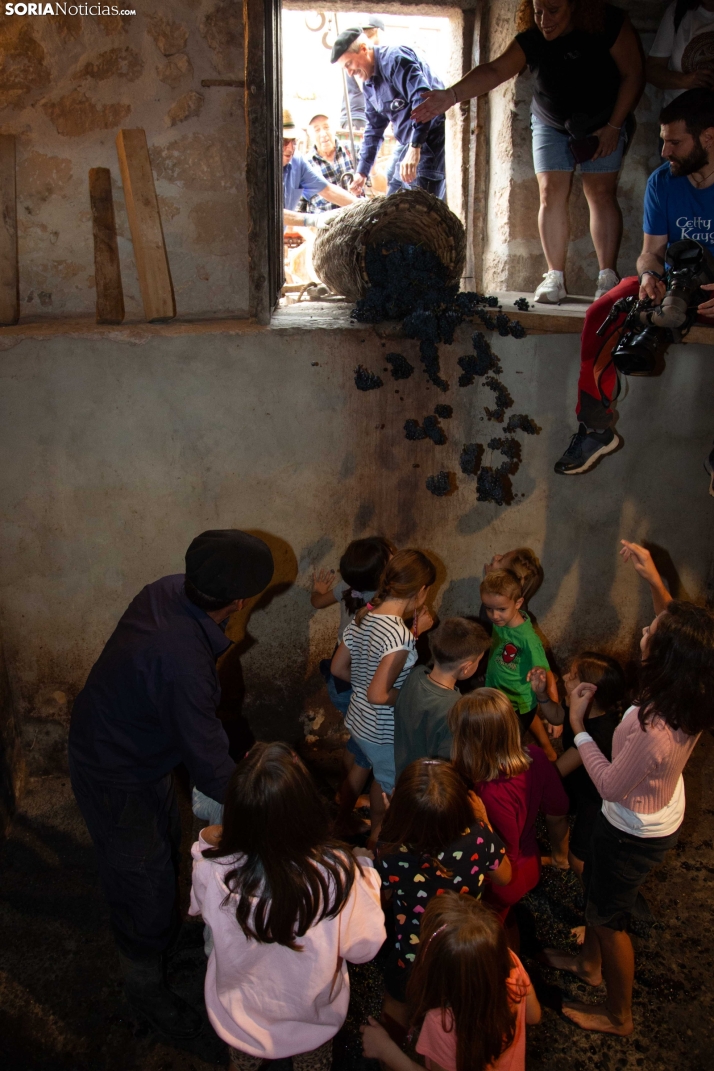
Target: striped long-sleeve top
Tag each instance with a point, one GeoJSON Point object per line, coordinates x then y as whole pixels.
{"type": "Point", "coordinates": [368, 643]}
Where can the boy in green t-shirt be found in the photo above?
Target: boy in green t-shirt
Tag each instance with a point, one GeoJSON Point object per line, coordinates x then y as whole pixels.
{"type": "Point", "coordinates": [515, 651]}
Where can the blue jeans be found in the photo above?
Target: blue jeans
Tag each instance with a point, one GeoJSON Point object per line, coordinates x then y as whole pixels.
{"type": "Point", "coordinates": [430, 174]}
{"type": "Point", "coordinates": [551, 152]}
{"type": "Point", "coordinates": [136, 832]}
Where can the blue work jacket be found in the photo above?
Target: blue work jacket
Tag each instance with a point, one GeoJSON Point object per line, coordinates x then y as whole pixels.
{"type": "Point", "coordinates": [394, 90]}
{"type": "Point", "coordinates": [151, 698]}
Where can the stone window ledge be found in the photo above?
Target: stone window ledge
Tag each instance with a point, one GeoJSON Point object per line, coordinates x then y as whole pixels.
{"type": "Point", "coordinates": [566, 318]}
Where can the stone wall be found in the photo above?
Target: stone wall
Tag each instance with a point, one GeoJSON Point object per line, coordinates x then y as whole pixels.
{"type": "Point", "coordinates": [513, 258]}
{"type": "Point", "coordinates": [67, 84]}
{"type": "Point", "coordinates": [124, 448]}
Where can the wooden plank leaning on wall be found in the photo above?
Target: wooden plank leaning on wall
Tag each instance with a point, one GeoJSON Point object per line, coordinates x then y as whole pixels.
{"type": "Point", "coordinates": [142, 209]}
{"type": "Point", "coordinates": [107, 271]}
{"type": "Point", "coordinates": [9, 275]}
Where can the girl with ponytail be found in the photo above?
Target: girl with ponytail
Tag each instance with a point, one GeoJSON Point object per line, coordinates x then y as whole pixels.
{"type": "Point", "coordinates": [376, 653]}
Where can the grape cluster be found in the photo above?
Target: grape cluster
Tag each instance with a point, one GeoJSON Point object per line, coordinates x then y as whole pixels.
{"type": "Point", "coordinates": [493, 485]}
{"type": "Point", "coordinates": [470, 460]}
{"type": "Point", "coordinates": [366, 380]}
{"type": "Point", "coordinates": [521, 422]}
{"type": "Point", "coordinates": [401, 367]}
{"type": "Point", "coordinates": [440, 484]}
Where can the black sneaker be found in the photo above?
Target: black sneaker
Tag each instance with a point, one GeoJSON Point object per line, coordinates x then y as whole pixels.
{"type": "Point", "coordinates": [585, 449]}
{"type": "Point", "coordinates": [709, 467]}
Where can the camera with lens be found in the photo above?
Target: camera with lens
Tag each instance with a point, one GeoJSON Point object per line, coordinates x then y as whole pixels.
{"type": "Point", "coordinates": [649, 328]}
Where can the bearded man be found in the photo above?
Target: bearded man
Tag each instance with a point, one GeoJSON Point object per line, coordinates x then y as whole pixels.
{"type": "Point", "coordinates": [679, 203]}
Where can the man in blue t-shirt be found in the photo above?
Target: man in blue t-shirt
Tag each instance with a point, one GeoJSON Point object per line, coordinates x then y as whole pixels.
{"type": "Point", "coordinates": [679, 203]}
{"type": "Point", "coordinates": [394, 79]}
{"type": "Point", "coordinates": [303, 179]}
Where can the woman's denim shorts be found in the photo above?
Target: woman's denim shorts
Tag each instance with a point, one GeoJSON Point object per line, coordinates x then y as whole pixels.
{"type": "Point", "coordinates": [551, 152]}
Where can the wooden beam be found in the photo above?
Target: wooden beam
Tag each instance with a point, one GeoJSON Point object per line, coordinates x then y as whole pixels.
{"type": "Point", "coordinates": [142, 209]}
{"type": "Point", "coordinates": [9, 275]}
{"type": "Point", "coordinates": [263, 166]}
{"type": "Point", "coordinates": [107, 271]}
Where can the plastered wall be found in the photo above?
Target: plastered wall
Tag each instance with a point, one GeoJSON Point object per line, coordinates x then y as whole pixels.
{"type": "Point", "coordinates": [118, 452]}
{"type": "Point", "coordinates": [67, 84]}
{"type": "Point", "coordinates": [513, 258]}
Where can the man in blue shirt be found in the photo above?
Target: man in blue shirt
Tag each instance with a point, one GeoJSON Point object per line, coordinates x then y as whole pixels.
{"type": "Point", "coordinates": [679, 203]}
{"type": "Point", "coordinates": [394, 79]}
{"type": "Point", "coordinates": [150, 703]}
{"type": "Point", "coordinates": [302, 179]}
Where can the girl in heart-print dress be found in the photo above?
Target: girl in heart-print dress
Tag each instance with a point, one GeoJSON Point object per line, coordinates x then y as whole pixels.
{"type": "Point", "coordinates": [432, 841]}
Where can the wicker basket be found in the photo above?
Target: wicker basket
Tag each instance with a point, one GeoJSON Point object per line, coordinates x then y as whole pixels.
{"type": "Point", "coordinates": [413, 216]}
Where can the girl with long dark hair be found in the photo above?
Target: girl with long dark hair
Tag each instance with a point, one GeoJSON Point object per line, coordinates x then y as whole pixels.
{"type": "Point", "coordinates": [287, 906]}
{"type": "Point", "coordinates": [642, 790]}
{"type": "Point", "coordinates": [468, 995]}
{"type": "Point", "coordinates": [435, 838]}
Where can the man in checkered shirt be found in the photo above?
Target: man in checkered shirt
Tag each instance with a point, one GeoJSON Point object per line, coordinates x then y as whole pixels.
{"type": "Point", "coordinates": [329, 157]}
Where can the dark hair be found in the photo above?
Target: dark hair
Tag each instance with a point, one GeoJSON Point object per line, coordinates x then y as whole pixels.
{"type": "Point", "coordinates": [291, 873]}
{"type": "Point", "coordinates": [203, 602]}
{"type": "Point", "coordinates": [456, 639]}
{"type": "Point", "coordinates": [677, 675]}
{"type": "Point", "coordinates": [502, 582]}
{"type": "Point", "coordinates": [404, 576]}
{"type": "Point", "coordinates": [429, 809]}
{"type": "Point", "coordinates": [462, 968]}
{"type": "Point", "coordinates": [695, 109]}
{"type": "Point", "coordinates": [681, 9]}
{"type": "Point", "coordinates": [607, 674]}
{"type": "Point", "coordinates": [362, 565]}
{"type": "Point", "coordinates": [589, 15]}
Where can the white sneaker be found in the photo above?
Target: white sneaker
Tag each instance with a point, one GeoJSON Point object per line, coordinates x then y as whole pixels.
{"type": "Point", "coordinates": [605, 281]}
{"type": "Point", "coordinates": [552, 290]}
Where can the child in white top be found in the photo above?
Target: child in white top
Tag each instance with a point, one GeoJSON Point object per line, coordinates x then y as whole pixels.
{"type": "Point", "coordinates": [288, 907]}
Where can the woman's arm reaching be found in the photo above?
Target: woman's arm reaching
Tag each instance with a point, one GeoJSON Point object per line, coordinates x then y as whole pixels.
{"type": "Point", "coordinates": [479, 80]}
{"type": "Point", "coordinates": [644, 566]}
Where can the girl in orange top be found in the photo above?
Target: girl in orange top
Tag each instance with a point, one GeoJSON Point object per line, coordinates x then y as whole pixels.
{"type": "Point", "coordinates": [468, 995]}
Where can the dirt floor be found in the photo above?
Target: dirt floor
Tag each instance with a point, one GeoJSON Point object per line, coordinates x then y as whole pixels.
{"type": "Point", "coordinates": [61, 1004]}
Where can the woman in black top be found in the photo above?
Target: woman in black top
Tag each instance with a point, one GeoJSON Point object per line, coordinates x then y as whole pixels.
{"type": "Point", "coordinates": [589, 75]}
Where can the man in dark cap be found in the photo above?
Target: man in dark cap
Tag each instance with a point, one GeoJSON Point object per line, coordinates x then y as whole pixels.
{"type": "Point", "coordinates": [372, 28]}
{"type": "Point", "coordinates": [149, 703]}
{"type": "Point", "coordinates": [394, 79]}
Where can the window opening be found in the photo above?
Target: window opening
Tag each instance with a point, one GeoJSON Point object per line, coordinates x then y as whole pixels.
{"type": "Point", "coordinates": [330, 138]}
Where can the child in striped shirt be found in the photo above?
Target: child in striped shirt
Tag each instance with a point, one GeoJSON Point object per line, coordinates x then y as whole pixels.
{"type": "Point", "coordinates": [376, 653]}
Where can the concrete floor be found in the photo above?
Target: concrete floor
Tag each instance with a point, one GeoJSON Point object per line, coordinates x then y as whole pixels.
{"type": "Point", "coordinates": [60, 995]}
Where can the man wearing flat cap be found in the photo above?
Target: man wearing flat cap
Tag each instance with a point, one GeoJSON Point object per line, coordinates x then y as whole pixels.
{"type": "Point", "coordinates": [150, 703]}
{"type": "Point", "coordinates": [394, 79]}
{"type": "Point", "coordinates": [372, 28]}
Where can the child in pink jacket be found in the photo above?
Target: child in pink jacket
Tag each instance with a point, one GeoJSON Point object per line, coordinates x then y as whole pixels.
{"type": "Point", "coordinates": [288, 907]}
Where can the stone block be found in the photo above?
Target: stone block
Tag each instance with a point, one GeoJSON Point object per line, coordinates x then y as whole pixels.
{"type": "Point", "coordinates": [23, 64]}
{"type": "Point", "coordinates": [186, 107]}
{"type": "Point", "coordinates": [114, 63]}
{"type": "Point", "coordinates": [215, 226]}
{"type": "Point", "coordinates": [222, 30]}
{"type": "Point", "coordinates": [200, 162]}
{"type": "Point", "coordinates": [175, 68]}
{"type": "Point", "coordinates": [75, 114]}
{"type": "Point", "coordinates": [169, 37]}
{"type": "Point", "coordinates": [40, 177]}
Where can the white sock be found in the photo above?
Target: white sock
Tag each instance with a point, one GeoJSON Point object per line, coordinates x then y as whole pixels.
{"type": "Point", "coordinates": [554, 272]}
